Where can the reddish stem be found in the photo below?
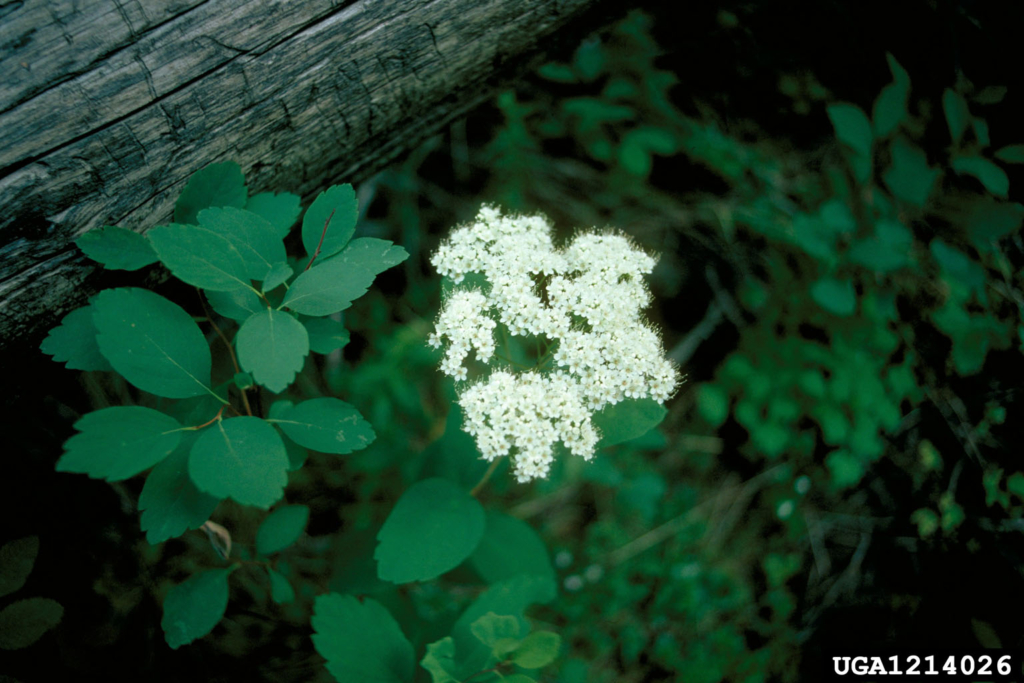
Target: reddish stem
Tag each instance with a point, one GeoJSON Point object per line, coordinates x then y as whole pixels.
{"type": "Point", "coordinates": [321, 244]}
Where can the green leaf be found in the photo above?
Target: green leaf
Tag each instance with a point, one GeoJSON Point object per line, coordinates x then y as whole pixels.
{"type": "Point", "coordinates": [440, 661]}
{"type": "Point", "coordinates": [626, 420]}
{"type": "Point", "coordinates": [237, 305]}
{"type": "Point", "coordinates": [332, 285]}
{"type": "Point", "coordinates": [201, 257]}
{"type": "Point", "coordinates": [891, 105]}
{"type": "Point", "coordinates": [835, 296]}
{"type": "Point", "coordinates": [328, 425]}
{"type": "Point", "coordinates": [852, 127]}
{"type": "Point", "coordinates": [281, 590]}
{"type": "Point", "coordinates": [326, 334]}
{"type": "Point", "coordinates": [361, 641]}
{"type": "Point", "coordinates": [16, 561]}
{"type": "Point", "coordinates": [241, 458]}
{"type": "Point", "coordinates": [713, 404]}
{"type": "Point", "coordinates": [509, 547]}
{"type": "Point", "coordinates": [170, 503]}
{"type": "Point", "coordinates": [980, 128]}
{"type": "Point", "coordinates": [216, 185]}
{"type": "Point", "coordinates": [280, 210]}
{"type": "Point", "coordinates": [24, 622]}
{"type": "Point", "coordinates": [538, 649]}
{"type": "Point", "coordinates": [277, 276]}
{"type": "Point", "coordinates": [152, 342]}
{"type": "Point", "coordinates": [281, 528]}
{"type": "Point", "coordinates": [194, 607]}
{"type": "Point", "coordinates": [509, 597]}
{"type": "Point", "coordinates": [491, 629]}
{"type": "Point", "coordinates": [371, 254]}
{"type": "Point", "coordinates": [434, 527]}
{"type": "Point", "coordinates": [957, 114]}
{"type": "Point", "coordinates": [341, 200]}
{"type": "Point", "coordinates": [272, 345]}
{"type": "Point", "coordinates": [1011, 154]}
{"type": "Point", "coordinates": [119, 442]}
{"type": "Point", "coordinates": [73, 342]}
{"type": "Point", "coordinates": [117, 248]}
{"type": "Point", "coordinates": [254, 238]}
{"type": "Point", "coordinates": [991, 176]}
{"type": "Point", "coordinates": [909, 178]}
{"type": "Point", "coordinates": [887, 250]}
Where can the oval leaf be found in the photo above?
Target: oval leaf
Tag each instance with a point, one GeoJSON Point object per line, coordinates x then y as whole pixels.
{"type": "Point", "coordinates": [117, 248]}
{"type": "Point", "coordinates": [988, 174]}
{"type": "Point", "coordinates": [242, 458]}
{"type": "Point", "coordinates": [272, 345]}
{"type": "Point", "coordinates": [255, 239]}
{"type": "Point", "coordinates": [152, 342]}
{"type": "Point", "coordinates": [281, 590]}
{"type": "Point", "coordinates": [433, 528]}
{"type": "Point", "coordinates": [117, 443]}
{"type": "Point", "coordinates": [280, 210]}
{"type": "Point", "coordinates": [537, 650]}
{"type": "Point", "coordinates": [509, 547]}
{"type": "Point", "coordinates": [237, 305]}
{"type": "Point", "coordinates": [16, 561]}
{"type": "Point", "coordinates": [326, 334]}
{"type": "Point", "coordinates": [328, 425]}
{"type": "Point", "coordinates": [281, 528]}
{"type": "Point", "coordinates": [361, 641]}
{"type": "Point", "coordinates": [215, 185]}
{"type": "Point", "coordinates": [24, 622]}
{"type": "Point", "coordinates": [200, 256]}
{"type": "Point", "coordinates": [73, 342]}
{"type": "Point", "coordinates": [627, 420]}
{"type": "Point", "coordinates": [852, 127]}
{"type": "Point", "coordinates": [339, 200]}
{"type": "Point", "coordinates": [193, 608]}
{"type": "Point", "coordinates": [170, 503]}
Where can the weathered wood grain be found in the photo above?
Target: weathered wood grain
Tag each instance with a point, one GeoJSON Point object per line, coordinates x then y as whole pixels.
{"type": "Point", "coordinates": [114, 104]}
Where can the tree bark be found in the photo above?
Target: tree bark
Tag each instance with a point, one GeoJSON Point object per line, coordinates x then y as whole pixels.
{"type": "Point", "coordinates": [108, 106]}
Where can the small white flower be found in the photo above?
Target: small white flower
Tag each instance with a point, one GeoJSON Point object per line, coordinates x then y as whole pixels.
{"type": "Point", "coordinates": [536, 289]}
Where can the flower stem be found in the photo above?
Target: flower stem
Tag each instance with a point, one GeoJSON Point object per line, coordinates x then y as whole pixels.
{"type": "Point", "coordinates": [487, 475]}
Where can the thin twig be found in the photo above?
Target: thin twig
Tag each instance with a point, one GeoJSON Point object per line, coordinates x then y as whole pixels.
{"type": "Point", "coordinates": [227, 344]}
{"type": "Point", "coordinates": [321, 243]}
{"type": "Point", "coordinates": [487, 475]}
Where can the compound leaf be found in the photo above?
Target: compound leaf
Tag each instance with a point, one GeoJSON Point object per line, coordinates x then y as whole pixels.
{"type": "Point", "coordinates": [24, 622]}
{"type": "Point", "coordinates": [326, 334]}
{"type": "Point", "coordinates": [170, 503]}
{"type": "Point", "coordinates": [194, 607]}
{"type": "Point", "coordinates": [361, 641]}
{"type": "Point", "coordinates": [281, 528]}
{"type": "Point", "coordinates": [253, 237]}
{"type": "Point", "coordinates": [626, 420]}
{"type": "Point", "coordinates": [200, 256]}
{"type": "Point", "coordinates": [119, 442]}
{"type": "Point", "coordinates": [73, 342]}
{"type": "Point", "coordinates": [341, 200]}
{"type": "Point", "coordinates": [16, 561]}
{"type": "Point", "coordinates": [272, 345]}
{"type": "Point", "coordinates": [215, 185]}
{"type": "Point", "coordinates": [328, 425]}
{"type": "Point", "coordinates": [434, 527]}
{"type": "Point", "coordinates": [280, 210]}
{"type": "Point", "coordinates": [117, 248]}
{"type": "Point", "coordinates": [241, 458]}
{"type": "Point", "coordinates": [152, 342]}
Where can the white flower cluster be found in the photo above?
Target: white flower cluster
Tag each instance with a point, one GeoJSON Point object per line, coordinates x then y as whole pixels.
{"type": "Point", "coordinates": [587, 299]}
